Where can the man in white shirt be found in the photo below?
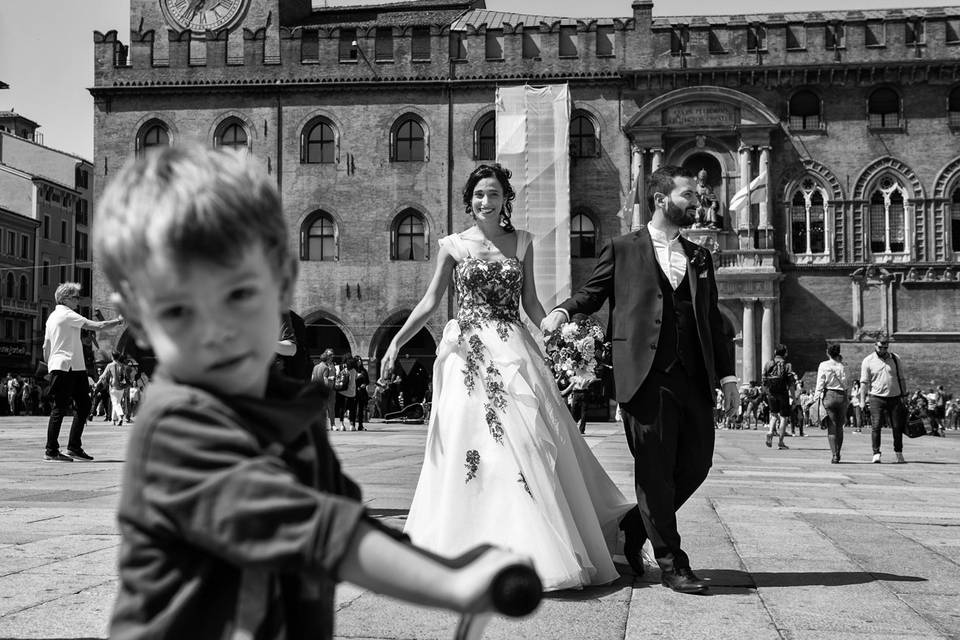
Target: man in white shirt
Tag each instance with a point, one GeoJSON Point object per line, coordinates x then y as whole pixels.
{"type": "Point", "coordinates": [882, 385]}
{"type": "Point", "coordinates": [63, 351]}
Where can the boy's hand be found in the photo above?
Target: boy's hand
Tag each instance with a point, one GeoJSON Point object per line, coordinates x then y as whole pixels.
{"type": "Point", "coordinates": [472, 587]}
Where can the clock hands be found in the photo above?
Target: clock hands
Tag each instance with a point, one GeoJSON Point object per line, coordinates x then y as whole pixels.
{"type": "Point", "coordinates": [193, 8]}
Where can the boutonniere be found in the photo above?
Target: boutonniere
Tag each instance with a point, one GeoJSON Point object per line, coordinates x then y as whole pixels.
{"type": "Point", "coordinates": [699, 260]}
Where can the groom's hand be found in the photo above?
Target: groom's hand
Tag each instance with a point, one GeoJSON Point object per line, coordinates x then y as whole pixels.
{"type": "Point", "coordinates": [552, 321]}
{"type": "Point", "coordinates": [731, 399]}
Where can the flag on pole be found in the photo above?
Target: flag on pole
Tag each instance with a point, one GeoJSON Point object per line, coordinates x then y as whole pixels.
{"type": "Point", "coordinates": [753, 193]}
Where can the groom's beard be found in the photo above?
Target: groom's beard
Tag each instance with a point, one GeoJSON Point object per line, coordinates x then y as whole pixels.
{"type": "Point", "coordinates": [680, 217]}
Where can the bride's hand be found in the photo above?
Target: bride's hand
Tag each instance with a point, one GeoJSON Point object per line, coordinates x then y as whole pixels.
{"type": "Point", "coordinates": [386, 364]}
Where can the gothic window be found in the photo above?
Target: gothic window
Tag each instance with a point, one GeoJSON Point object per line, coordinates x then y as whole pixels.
{"type": "Point", "coordinates": [604, 41]}
{"type": "Point", "coordinates": [11, 285]}
{"type": "Point", "coordinates": [568, 42]}
{"type": "Point", "coordinates": [152, 134]}
{"type": "Point", "coordinates": [319, 238]}
{"type": "Point", "coordinates": [808, 219]}
{"type": "Point", "coordinates": [408, 140]}
{"type": "Point", "coordinates": [583, 237]}
{"type": "Point", "coordinates": [494, 44]}
{"type": "Point", "coordinates": [883, 109]}
{"type": "Point", "coordinates": [887, 232]}
{"type": "Point", "coordinates": [833, 36]}
{"type": "Point", "coordinates": [319, 144]}
{"type": "Point", "coordinates": [383, 45]}
{"type": "Point", "coordinates": [485, 138]}
{"type": "Point", "coordinates": [953, 108]}
{"type": "Point", "coordinates": [584, 140]}
{"type": "Point", "coordinates": [875, 33]}
{"type": "Point", "coordinates": [955, 219]}
{"type": "Point", "coordinates": [420, 45]}
{"type": "Point", "coordinates": [230, 134]}
{"type": "Point", "coordinates": [409, 236]}
{"type": "Point", "coordinates": [805, 110]}
{"type": "Point", "coordinates": [756, 38]}
{"type": "Point", "coordinates": [348, 45]}
{"type": "Point", "coordinates": [531, 45]}
{"type": "Point", "coordinates": [23, 288]}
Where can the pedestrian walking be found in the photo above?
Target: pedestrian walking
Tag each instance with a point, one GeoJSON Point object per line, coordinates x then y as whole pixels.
{"type": "Point", "coordinates": [363, 393]}
{"type": "Point", "coordinates": [831, 391]}
{"type": "Point", "coordinates": [778, 380]}
{"type": "Point", "coordinates": [883, 390]}
{"type": "Point", "coordinates": [324, 372]}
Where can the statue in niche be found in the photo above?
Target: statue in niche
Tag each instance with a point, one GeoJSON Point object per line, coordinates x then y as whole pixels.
{"type": "Point", "coordinates": [930, 275]}
{"type": "Point", "coordinates": [708, 209]}
{"type": "Point", "coordinates": [912, 275]}
{"type": "Point", "coordinates": [948, 274]}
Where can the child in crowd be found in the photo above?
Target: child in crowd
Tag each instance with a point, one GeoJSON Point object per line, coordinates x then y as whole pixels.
{"type": "Point", "coordinates": [236, 519]}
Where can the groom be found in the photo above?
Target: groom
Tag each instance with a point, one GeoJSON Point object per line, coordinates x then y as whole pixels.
{"type": "Point", "coordinates": [669, 354]}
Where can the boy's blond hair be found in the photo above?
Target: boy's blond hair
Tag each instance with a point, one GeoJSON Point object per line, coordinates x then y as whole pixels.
{"type": "Point", "coordinates": [192, 204]}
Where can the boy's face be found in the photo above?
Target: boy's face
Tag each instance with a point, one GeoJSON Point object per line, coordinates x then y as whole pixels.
{"type": "Point", "coordinates": [210, 325]}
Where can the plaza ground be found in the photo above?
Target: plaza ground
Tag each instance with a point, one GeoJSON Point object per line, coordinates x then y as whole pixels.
{"type": "Point", "coordinates": [796, 548]}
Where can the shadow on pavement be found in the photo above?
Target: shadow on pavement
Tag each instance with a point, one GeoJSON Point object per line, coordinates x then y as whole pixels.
{"type": "Point", "coordinates": [592, 593]}
{"type": "Point", "coordinates": [726, 578]}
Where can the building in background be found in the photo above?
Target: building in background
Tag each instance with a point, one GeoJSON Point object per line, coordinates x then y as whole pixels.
{"type": "Point", "coordinates": [837, 128]}
{"type": "Point", "coordinates": [45, 200]}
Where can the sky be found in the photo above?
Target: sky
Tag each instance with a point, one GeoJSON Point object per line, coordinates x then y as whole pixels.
{"type": "Point", "coordinates": [46, 48]}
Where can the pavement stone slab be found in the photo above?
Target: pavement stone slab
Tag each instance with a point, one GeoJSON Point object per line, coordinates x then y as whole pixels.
{"type": "Point", "coordinates": [795, 548]}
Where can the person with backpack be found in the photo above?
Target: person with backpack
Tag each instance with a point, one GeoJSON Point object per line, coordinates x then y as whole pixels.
{"type": "Point", "coordinates": [778, 380]}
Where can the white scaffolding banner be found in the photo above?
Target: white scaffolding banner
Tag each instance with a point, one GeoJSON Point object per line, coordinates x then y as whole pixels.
{"type": "Point", "coordinates": [533, 129]}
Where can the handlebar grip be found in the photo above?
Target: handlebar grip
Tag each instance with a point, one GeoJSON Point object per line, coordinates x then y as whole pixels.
{"type": "Point", "coordinates": [516, 590]}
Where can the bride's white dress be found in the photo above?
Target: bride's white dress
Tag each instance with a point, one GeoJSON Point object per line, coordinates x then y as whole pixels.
{"type": "Point", "coordinates": [505, 462]}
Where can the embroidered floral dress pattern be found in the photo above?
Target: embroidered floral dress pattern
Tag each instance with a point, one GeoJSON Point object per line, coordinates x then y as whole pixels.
{"type": "Point", "coordinates": [488, 292]}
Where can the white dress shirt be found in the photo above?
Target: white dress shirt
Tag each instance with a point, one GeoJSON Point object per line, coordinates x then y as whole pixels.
{"type": "Point", "coordinates": [61, 341]}
{"type": "Point", "coordinates": [670, 255]}
{"type": "Point", "coordinates": [832, 376]}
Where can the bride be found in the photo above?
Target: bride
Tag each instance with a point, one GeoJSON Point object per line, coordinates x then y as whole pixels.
{"type": "Point", "coordinates": [504, 461]}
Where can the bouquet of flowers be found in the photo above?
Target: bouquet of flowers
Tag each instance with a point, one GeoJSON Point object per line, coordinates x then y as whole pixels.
{"type": "Point", "coordinates": [577, 349]}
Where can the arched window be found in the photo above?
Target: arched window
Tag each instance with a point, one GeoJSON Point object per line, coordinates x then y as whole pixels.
{"type": "Point", "coordinates": [152, 134]}
{"type": "Point", "coordinates": [955, 219]}
{"type": "Point", "coordinates": [24, 294]}
{"type": "Point", "coordinates": [232, 134]}
{"type": "Point", "coordinates": [485, 139]}
{"type": "Point", "coordinates": [953, 108]}
{"type": "Point", "coordinates": [409, 236]}
{"type": "Point", "coordinates": [883, 109]}
{"type": "Point", "coordinates": [805, 110]}
{"type": "Point", "coordinates": [807, 219]}
{"type": "Point", "coordinates": [320, 238]}
{"type": "Point", "coordinates": [320, 143]}
{"type": "Point", "coordinates": [584, 142]}
{"type": "Point", "coordinates": [11, 285]}
{"type": "Point", "coordinates": [887, 233]}
{"type": "Point", "coordinates": [408, 141]}
{"type": "Point", "coordinates": [583, 237]}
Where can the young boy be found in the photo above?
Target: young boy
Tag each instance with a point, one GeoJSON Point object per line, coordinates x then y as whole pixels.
{"type": "Point", "coordinates": [235, 516]}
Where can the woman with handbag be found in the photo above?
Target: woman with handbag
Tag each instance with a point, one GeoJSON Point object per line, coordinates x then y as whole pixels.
{"type": "Point", "coordinates": [831, 391]}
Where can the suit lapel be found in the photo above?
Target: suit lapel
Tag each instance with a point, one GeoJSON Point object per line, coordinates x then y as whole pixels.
{"type": "Point", "coordinates": [645, 252]}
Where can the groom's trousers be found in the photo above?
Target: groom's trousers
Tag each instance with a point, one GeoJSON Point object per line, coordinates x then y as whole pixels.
{"type": "Point", "coordinates": [670, 432]}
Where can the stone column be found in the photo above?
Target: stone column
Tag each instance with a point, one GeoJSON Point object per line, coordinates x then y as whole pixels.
{"type": "Point", "coordinates": [749, 341]}
{"type": "Point", "coordinates": [743, 216]}
{"type": "Point", "coordinates": [636, 171]}
{"type": "Point", "coordinates": [766, 204]}
{"type": "Point", "coordinates": [657, 159]}
{"type": "Point", "coordinates": [766, 332]}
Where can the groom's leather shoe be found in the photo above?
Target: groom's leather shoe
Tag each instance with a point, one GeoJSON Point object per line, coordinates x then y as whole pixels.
{"type": "Point", "coordinates": [683, 581]}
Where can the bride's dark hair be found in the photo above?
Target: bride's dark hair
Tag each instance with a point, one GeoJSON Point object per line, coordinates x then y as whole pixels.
{"type": "Point", "coordinates": [502, 175]}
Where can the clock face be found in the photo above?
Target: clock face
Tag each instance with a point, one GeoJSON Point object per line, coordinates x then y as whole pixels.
{"type": "Point", "coordinates": [202, 15]}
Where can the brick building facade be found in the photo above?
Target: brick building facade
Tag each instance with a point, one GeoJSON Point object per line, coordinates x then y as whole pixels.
{"type": "Point", "coordinates": [45, 202]}
{"type": "Point", "coordinates": [370, 117]}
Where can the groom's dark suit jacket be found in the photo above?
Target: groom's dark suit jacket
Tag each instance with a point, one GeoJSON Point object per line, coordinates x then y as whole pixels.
{"type": "Point", "coordinates": [627, 274]}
